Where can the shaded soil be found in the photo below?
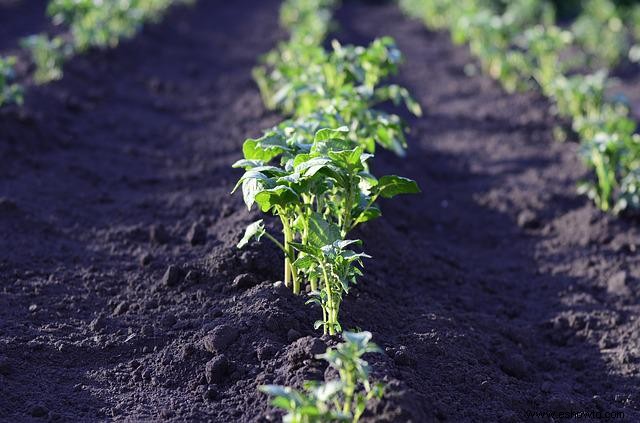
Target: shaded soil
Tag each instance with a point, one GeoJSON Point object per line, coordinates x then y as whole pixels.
{"type": "Point", "coordinates": [20, 18]}
{"type": "Point", "coordinates": [496, 292]}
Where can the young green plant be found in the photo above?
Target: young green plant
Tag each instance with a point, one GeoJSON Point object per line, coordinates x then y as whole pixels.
{"type": "Point", "coordinates": [344, 399]}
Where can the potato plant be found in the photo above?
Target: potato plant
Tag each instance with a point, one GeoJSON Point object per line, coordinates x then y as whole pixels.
{"type": "Point", "coordinates": [10, 91]}
{"type": "Point", "coordinates": [344, 399]}
{"type": "Point", "coordinates": [341, 86]}
{"type": "Point", "coordinates": [520, 45]}
{"type": "Point", "coordinates": [320, 191]}
{"type": "Point", "coordinates": [312, 171]}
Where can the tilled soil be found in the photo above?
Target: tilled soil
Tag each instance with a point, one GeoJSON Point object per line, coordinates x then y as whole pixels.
{"type": "Point", "coordinates": [496, 292]}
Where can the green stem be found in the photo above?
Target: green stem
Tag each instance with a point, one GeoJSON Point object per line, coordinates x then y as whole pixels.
{"type": "Point", "coordinates": [355, 222]}
{"type": "Point", "coordinates": [330, 307]}
{"type": "Point", "coordinates": [275, 241]}
{"type": "Point", "coordinates": [290, 275]}
{"type": "Point", "coordinates": [346, 224]}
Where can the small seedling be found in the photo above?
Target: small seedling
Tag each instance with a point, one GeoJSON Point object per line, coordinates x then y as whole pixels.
{"type": "Point", "coordinates": [344, 399]}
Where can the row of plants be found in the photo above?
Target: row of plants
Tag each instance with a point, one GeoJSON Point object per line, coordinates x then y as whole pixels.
{"type": "Point", "coordinates": [521, 45]}
{"type": "Point", "coordinates": [83, 25]}
{"type": "Point", "coordinates": [313, 172]}
{"type": "Point", "coordinates": [89, 24]}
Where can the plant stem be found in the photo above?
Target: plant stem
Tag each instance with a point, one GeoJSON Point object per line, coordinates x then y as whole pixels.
{"type": "Point", "coordinates": [290, 276]}
{"type": "Point", "coordinates": [330, 318]}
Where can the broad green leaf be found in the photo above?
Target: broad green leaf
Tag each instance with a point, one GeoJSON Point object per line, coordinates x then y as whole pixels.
{"type": "Point", "coordinates": [305, 262]}
{"type": "Point", "coordinates": [321, 232]}
{"type": "Point", "coordinates": [324, 392]}
{"type": "Point", "coordinates": [391, 185]}
{"type": "Point", "coordinates": [347, 158]}
{"type": "Point", "coordinates": [371, 213]}
{"type": "Point", "coordinates": [307, 249]}
{"type": "Point", "coordinates": [312, 166]}
{"type": "Point", "coordinates": [328, 133]}
{"type": "Point", "coordinates": [344, 243]}
{"type": "Point", "coordinates": [265, 148]}
{"type": "Point", "coordinates": [256, 229]}
{"type": "Point", "coordinates": [309, 411]}
{"type": "Point", "coordinates": [252, 184]}
{"type": "Point", "coordinates": [247, 164]}
{"type": "Point", "coordinates": [280, 195]}
{"type": "Point", "coordinates": [332, 144]}
{"type": "Point", "coordinates": [361, 339]}
{"type": "Point", "coordinates": [275, 390]}
{"type": "Point", "coordinates": [283, 402]}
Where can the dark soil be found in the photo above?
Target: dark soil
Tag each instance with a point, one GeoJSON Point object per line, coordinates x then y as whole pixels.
{"type": "Point", "coordinates": [20, 18]}
{"type": "Point", "coordinates": [496, 292]}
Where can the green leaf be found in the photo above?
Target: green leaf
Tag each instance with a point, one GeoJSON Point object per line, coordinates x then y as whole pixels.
{"type": "Point", "coordinates": [252, 183]}
{"type": "Point", "coordinates": [265, 148]}
{"type": "Point", "coordinates": [327, 133]}
{"type": "Point", "coordinates": [307, 249]}
{"type": "Point", "coordinates": [254, 230]}
{"type": "Point", "coordinates": [361, 339]}
{"type": "Point", "coordinates": [348, 158]}
{"type": "Point", "coordinates": [327, 390]}
{"type": "Point", "coordinates": [275, 390]}
{"type": "Point", "coordinates": [391, 185]}
{"type": "Point", "coordinates": [280, 195]}
{"type": "Point", "coordinates": [321, 232]}
{"type": "Point", "coordinates": [369, 214]}
{"type": "Point", "coordinates": [312, 166]}
{"type": "Point", "coordinates": [305, 262]}
{"type": "Point", "coordinates": [283, 402]}
{"type": "Point", "coordinates": [247, 164]}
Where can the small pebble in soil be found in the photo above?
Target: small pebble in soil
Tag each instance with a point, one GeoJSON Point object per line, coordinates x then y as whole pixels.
{"type": "Point", "coordinates": [617, 285]}
{"type": "Point", "coordinates": [216, 369]}
{"type": "Point", "coordinates": [403, 357]}
{"type": "Point", "coordinates": [98, 323]}
{"type": "Point", "coordinates": [144, 259]}
{"type": "Point", "coordinates": [158, 234]}
{"type": "Point", "coordinates": [220, 338]}
{"type": "Point", "coordinates": [514, 365]}
{"type": "Point", "coordinates": [192, 276]}
{"type": "Point", "coordinates": [528, 220]}
{"type": "Point", "coordinates": [121, 308]}
{"type": "Point", "coordinates": [211, 393]}
{"type": "Point", "coordinates": [266, 352]}
{"type": "Point", "coordinates": [38, 410]}
{"type": "Point", "coordinates": [197, 234]}
{"type": "Point", "coordinates": [147, 330]}
{"type": "Point", "coordinates": [244, 281]}
{"type": "Point", "coordinates": [172, 276]}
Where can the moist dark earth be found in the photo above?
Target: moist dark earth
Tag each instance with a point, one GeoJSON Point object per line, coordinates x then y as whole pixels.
{"type": "Point", "coordinates": [496, 292]}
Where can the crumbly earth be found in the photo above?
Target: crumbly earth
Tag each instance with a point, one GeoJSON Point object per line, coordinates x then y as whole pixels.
{"type": "Point", "coordinates": [496, 292]}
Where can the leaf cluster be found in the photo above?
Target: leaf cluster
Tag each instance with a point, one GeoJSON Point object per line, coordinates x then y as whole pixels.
{"type": "Point", "coordinates": [344, 399]}
{"type": "Point", "coordinates": [338, 86]}
{"type": "Point", "coordinates": [313, 170]}
{"type": "Point", "coordinates": [320, 191]}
